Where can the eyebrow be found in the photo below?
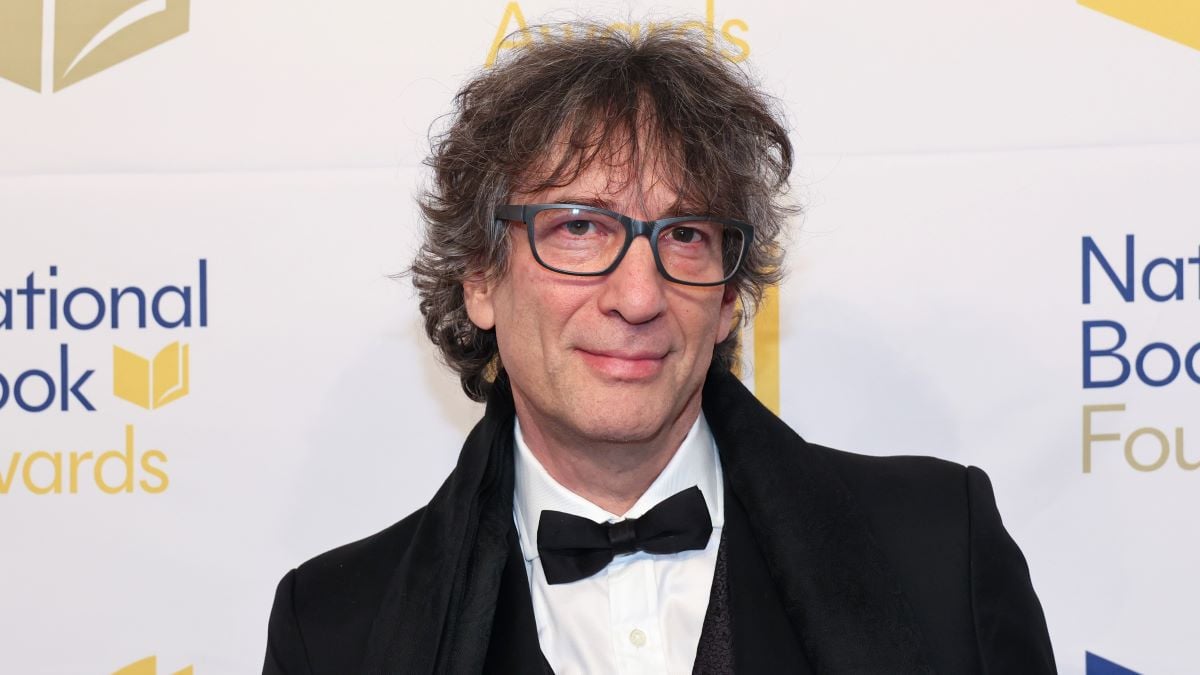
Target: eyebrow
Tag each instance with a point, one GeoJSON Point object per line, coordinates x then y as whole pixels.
{"type": "Point", "coordinates": [597, 202]}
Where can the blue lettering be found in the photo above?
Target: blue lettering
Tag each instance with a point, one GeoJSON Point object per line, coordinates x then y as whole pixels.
{"type": "Point", "coordinates": [1189, 361]}
{"type": "Point", "coordinates": [1176, 292]}
{"type": "Point", "coordinates": [158, 304]}
{"type": "Point", "coordinates": [73, 389]}
{"type": "Point", "coordinates": [70, 316]}
{"type": "Point", "coordinates": [1089, 353]}
{"type": "Point", "coordinates": [203, 292]}
{"type": "Point", "coordinates": [19, 390]}
{"type": "Point", "coordinates": [64, 389]}
{"type": "Point", "coordinates": [1141, 361]}
{"type": "Point", "coordinates": [6, 301]}
{"type": "Point", "coordinates": [30, 292]}
{"type": "Point", "coordinates": [1090, 251]}
{"type": "Point", "coordinates": [136, 292]}
{"type": "Point", "coordinates": [53, 301]}
{"type": "Point", "coordinates": [185, 294]}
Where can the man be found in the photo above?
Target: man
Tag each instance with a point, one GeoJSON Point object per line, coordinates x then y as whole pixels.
{"type": "Point", "coordinates": [599, 206]}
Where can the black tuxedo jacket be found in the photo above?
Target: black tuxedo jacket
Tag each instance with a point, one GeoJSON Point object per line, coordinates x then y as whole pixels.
{"type": "Point", "coordinates": [835, 563]}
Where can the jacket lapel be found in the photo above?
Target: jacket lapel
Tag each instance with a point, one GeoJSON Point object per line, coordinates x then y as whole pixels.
{"type": "Point", "coordinates": [763, 638]}
{"type": "Point", "coordinates": [444, 589]}
{"type": "Point", "coordinates": [513, 646]}
{"type": "Point", "coordinates": [831, 578]}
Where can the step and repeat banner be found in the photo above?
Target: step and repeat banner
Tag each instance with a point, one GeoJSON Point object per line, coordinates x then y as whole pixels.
{"type": "Point", "coordinates": [209, 372]}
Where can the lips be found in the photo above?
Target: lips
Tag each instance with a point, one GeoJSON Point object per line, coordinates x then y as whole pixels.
{"type": "Point", "coordinates": [625, 364]}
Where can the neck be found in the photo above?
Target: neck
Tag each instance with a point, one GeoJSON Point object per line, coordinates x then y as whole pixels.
{"type": "Point", "coordinates": [611, 475]}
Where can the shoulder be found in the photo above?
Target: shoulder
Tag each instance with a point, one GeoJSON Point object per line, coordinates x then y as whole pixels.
{"type": "Point", "coordinates": [922, 508]}
{"type": "Point", "coordinates": [926, 485]}
{"type": "Point", "coordinates": [324, 608]}
{"type": "Point", "coordinates": [898, 470]}
{"type": "Point", "coordinates": [966, 580]}
{"type": "Point", "coordinates": [360, 567]}
{"type": "Point", "coordinates": [917, 496]}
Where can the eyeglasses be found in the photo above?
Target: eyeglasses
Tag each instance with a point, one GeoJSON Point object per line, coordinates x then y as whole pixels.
{"type": "Point", "coordinates": [588, 241]}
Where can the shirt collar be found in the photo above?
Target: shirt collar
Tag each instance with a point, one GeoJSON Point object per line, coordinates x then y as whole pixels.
{"type": "Point", "coordinates": [694, 463]}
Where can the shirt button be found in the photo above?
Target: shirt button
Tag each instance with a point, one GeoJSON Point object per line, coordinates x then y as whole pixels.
{"type": "Point", "coordinates": [637, 637]}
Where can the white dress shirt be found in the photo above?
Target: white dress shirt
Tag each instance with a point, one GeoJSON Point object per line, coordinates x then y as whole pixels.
{"type": "Point", "coordinates": [642, 613]}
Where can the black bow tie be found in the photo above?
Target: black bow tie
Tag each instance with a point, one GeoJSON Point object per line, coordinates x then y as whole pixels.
{"type": "Point", "coordinates": [574, 548]}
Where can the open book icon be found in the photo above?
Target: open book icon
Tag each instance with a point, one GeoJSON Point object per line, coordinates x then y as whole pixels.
{"type": "Point", "coordinates": [151, 384]}
{"type": "Point", "coordinates": [86, 36]}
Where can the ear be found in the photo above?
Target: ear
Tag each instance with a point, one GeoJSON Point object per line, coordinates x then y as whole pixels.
{"type": "Point", "coordinates": [477, 296]}
{"type": "Point", "coordinates": [729, 303]}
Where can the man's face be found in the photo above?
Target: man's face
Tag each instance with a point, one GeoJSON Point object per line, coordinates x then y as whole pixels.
{"type": "Point", "coordinates": [618, 358]}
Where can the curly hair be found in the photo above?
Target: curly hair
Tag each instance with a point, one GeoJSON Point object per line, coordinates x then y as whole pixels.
{"type": "Point", "coordinates": [601, 95]}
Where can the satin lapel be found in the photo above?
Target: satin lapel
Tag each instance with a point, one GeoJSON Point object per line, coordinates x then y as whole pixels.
{"type": "Point", "coordinates": [436, 614]}
{"type": "Point", "coordinates": [763, 638]}
{"type": "Point", "coordinates": [513, 647]}
{"type": "Point", "coordinates": [832, 579]}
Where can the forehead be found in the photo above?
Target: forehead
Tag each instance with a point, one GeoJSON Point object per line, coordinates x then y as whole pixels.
{"type": "Point", "coordinates": [616, 188]}
{"type": "Point", "coordinates": [619, 168]}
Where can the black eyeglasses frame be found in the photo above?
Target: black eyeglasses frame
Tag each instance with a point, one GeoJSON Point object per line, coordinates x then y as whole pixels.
{"type": "Point", "coordinates": [651, 229]}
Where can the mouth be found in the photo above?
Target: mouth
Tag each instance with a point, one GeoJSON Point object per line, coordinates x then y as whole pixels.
{"type": "Point", "coordinates": [624, 365]}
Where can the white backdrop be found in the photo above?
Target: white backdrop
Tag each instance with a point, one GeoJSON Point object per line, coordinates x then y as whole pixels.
{"type": "Point", "coordinates": [952, 158]}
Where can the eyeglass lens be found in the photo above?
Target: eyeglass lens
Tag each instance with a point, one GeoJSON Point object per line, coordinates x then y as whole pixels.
{"type": "Point", "coordinates": [586, 242]}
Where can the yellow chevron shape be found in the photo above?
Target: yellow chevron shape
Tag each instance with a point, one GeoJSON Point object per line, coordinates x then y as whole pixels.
{"type": "Point", "coordinates": [1177, 20]}
{"type": "Point", "coordinates": [148, 666]}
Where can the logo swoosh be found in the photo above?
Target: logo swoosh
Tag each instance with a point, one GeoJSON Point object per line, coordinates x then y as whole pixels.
{"type": "Point", "coordinates": [129, 17]}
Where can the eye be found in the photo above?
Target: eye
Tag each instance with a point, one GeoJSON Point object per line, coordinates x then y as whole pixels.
{"type": "Point", "coordinates": [579, 228]}
{"type": "Point", "coordinates": [685, 235]}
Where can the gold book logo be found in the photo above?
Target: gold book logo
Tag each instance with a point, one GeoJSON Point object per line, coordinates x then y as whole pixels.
{"type": "Point", "coordinates": [148, 666]}
{"type": "Point", "coordinates": [151, 383]}
{"type": "Point", "coordinates": [1177, 20]}
{"type": "Point", "coordinates": [89, 36]}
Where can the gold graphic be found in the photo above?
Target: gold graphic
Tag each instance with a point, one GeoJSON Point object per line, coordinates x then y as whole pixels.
{"type": "Point", "coordinates": [148, 666]}
{"type": "Point", "coordinates": [151, 384]}
{"type": "Point", "coordinates": [89, 36]}
{"type": "Point", "coordinates": [59, 472]}
{"type": "Point", "coordinates": [94, 35]}
{"type": "Point", "coordinates": [766, 350]}
{"type": "Point", "coordinates": [1177, 20]}
{"type": "Point", "coordinates": [21, 42]}
{"type": "Point", "coordinates": [514, 32]}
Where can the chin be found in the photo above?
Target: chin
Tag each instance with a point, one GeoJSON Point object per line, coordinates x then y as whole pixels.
{"type": "Point", "coordinates": [627, 424]}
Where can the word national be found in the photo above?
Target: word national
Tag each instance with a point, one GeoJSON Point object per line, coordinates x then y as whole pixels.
{"type": "Point", "coordinates": [39, 304]}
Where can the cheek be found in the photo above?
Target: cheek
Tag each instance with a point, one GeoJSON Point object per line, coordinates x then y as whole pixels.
{"type": "Point", "coordinates": [534, 315]}
{"type": "Point", "coordinates": [702, 319]}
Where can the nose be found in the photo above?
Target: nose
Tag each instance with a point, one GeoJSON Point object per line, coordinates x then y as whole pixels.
{"type": "Point", "coordinates": [635, 290]}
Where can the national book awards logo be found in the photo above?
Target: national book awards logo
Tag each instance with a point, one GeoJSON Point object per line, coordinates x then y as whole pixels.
{"type": "Point", "coordinates": [50, 380]}
{"type": "Point", "coordinates": [1119, 354]}
{"type": "Point", "coordinates": [86, 36]}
